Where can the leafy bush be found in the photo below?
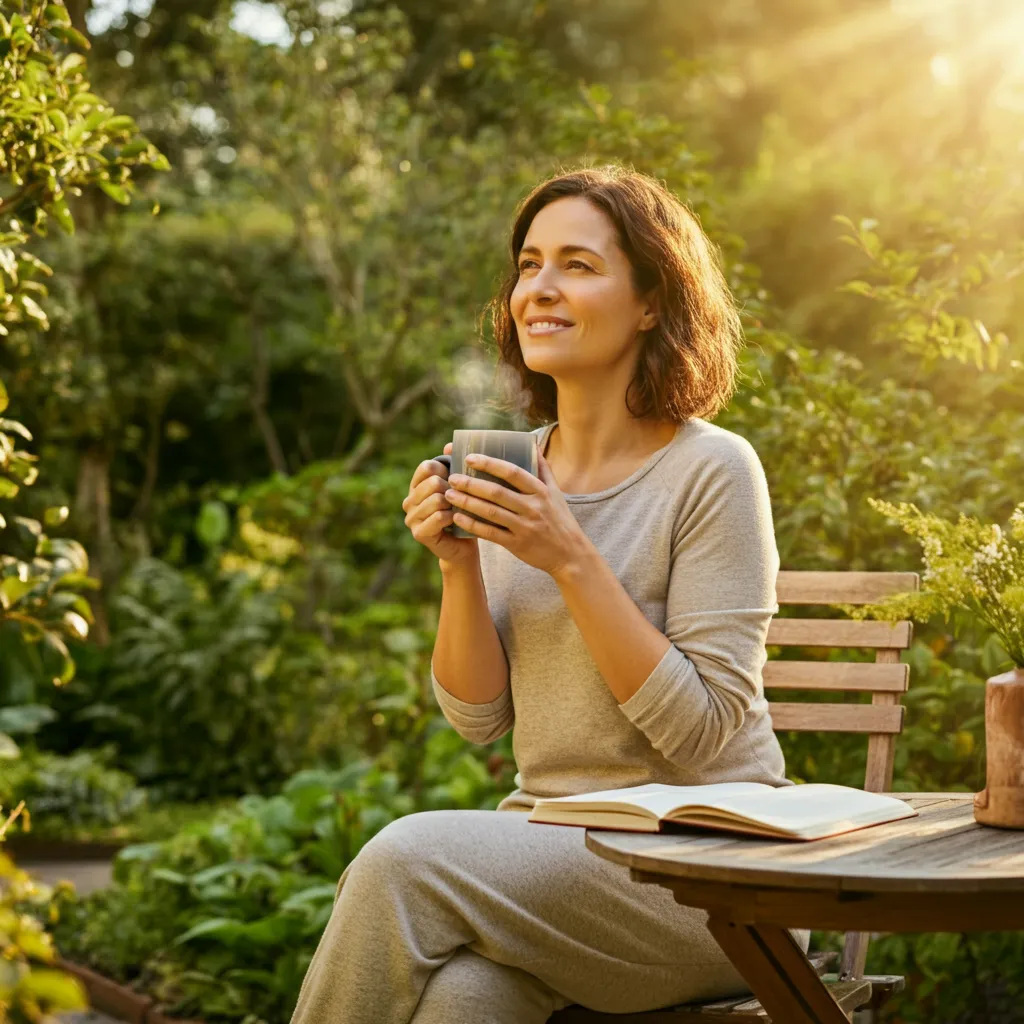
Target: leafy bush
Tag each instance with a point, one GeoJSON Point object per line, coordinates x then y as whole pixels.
{"type": "Point", "coordinates": [66, 792]}
{"type": "Point", "coordinates": [968, 565]}
{"type": "Point", "coordinates": [30, 992]}
{"type": "Point", "coordinates": [204, 689]}
{"type": "Point", "coordinates": [41, 604]}
{"type": "Point", "coordinates": [67, 137]}
{"type": "Point", "coordinates": [221, 920]}
{"type": "Point", "coordinates": [147, 823]}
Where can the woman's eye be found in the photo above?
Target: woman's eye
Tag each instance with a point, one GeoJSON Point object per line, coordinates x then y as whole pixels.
{"type": "Point", "coordinates": [577, 263]}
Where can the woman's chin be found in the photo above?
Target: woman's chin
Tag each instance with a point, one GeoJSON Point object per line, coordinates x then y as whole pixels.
{"type": "Point", "coordinates": [540, 361]}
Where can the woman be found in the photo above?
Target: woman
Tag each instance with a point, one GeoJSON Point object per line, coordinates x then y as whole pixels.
{"type": "Point", "coordinates": [617, 618]}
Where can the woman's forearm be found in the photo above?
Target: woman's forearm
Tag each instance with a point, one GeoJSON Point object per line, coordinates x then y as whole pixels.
{"type": "Point", "coordinates": [623, 643]}
{"type": "Point", "coordinates": [468, 661]}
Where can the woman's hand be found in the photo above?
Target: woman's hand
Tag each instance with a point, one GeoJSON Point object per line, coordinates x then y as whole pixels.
{"type": "Point", "coordinates": [428, 513]}
{"type": "Point", "coordinates": [536, 525]}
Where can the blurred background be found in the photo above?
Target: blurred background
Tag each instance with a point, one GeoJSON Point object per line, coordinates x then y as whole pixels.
{"type": "Point", "coordinates": [240, 360]}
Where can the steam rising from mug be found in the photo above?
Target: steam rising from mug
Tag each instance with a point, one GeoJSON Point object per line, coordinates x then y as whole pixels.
{"type": "Point", "coordinates": [484, 395]}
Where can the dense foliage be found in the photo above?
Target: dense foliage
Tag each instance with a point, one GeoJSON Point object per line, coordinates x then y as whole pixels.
{"type": "Point", "coordinates": [31, 991]}
{"type": "Point", "coordinates": [232, 396]}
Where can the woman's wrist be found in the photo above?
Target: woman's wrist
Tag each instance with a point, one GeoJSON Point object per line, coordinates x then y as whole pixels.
{"type": "Point", "coordinates": [460, 567]}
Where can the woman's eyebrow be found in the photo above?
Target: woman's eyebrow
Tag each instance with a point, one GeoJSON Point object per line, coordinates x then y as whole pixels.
{"type": "Point", "coordinates": [562, 250]}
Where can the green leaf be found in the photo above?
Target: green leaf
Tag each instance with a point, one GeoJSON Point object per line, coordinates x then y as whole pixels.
{"type": "Point", "coordinates": [67, 670]}
{"type": "Point", "coordinates": [8, 488]}
{"type": "Point", "coordinates": [213, 524]}
{"type": "Point", "coordinates": [59, 990]}
{"type": "Point", "coordinates": [120, 123]}
{"type": "Point", "coordinates": [16, 428]}
{"type": "Point", "coordinates": [134, 148]}
{"type": "Point", "coordinates": [9, 750]}
{"type": "Point", "coordinates": [25, 718]}
{"type": "Point", "coordinates": [12, 590]}
{"type": "Point", "coordinates": [116, 192]}
{"type": "Point", "coordinates": [71, 35]}
{"type": "Point", "coordinates": [56, 515]}
{"type": "Point", "coordinates": [76, 624]}
{"type": "Point", "coordinates": [57, 14]}
{"type": "Point", "coordinates": [96, 119]}
{"type": "Point", "coordinates": [218, 926]}
{"type": "Point", "coordinates": [69, 63]}
{"type": "Point", "coordinates": [4, 400]}
{"type": "Point", "coordinates": [34, 310]}
{"type": "Point", "coordinates": [58, 118]}
{"type": "Point", "coordinates": [312, 894]}
{"type": "Point", "coordinates": [166, 875]}
{"type": "Point", "coordinates": [9, 263]}
{"type": "Point", "coordinates": [62, 215]}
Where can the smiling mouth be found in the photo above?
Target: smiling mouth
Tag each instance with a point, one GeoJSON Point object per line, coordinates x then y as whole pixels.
{"type": "Point", "coordinates": [547, 327]}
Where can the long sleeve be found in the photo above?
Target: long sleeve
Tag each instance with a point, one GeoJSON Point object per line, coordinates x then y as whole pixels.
{"type": "Point", "coordinates": [721, 599]}
{"type": "Point", "coordinates": [478, 723]}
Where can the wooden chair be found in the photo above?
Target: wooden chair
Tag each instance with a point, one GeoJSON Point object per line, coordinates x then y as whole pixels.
{"type": "Point", "coordinates": [881, 721]}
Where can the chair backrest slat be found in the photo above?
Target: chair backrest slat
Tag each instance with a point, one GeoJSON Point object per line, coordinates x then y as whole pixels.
{"type": "Point", "coordinates": [885, 679]}
{"type": "Point", "coordinates": [867, 718]}
{"type": "Point", "coordinates": [841, 587]}
{"type": "Point", "coordinates": [838, 633]}
{"type": "Point", "coordinates": [836, 675]}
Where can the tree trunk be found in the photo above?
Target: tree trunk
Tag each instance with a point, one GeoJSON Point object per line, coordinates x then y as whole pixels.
{"type": "Point", "coordinates": [78, 9]}
{"type": "Point", "coordinates": [258, 400]}
{"type": "Point", "coordinates": [92, 509]}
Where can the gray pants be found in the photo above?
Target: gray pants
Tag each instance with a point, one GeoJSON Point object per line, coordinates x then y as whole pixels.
{"type": "Point", "coordinates": [482, 917]}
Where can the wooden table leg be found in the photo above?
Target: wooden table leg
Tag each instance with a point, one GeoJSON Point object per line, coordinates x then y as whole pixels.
{"type": "Point", "coordinates": [778, 973]}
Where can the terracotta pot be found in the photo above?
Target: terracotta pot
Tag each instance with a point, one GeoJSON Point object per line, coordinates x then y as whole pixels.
{"type": "Point", "coordinates": [109, 996]}
{"type": "Point", "coordinates": [119, 1000]}
{"type": "Point", "coordinates": [1001, 802]}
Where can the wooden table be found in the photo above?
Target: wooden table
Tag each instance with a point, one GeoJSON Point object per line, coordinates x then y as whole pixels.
{"type": "Point", "coordinates": [939, 871]}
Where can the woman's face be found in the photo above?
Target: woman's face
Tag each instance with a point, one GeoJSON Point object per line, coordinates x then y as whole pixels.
{"type": "Point", "coordinates": [574, 305]}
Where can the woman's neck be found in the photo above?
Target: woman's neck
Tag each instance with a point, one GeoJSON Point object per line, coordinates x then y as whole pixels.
{"type": "Point", "coordinates": [583, 464]}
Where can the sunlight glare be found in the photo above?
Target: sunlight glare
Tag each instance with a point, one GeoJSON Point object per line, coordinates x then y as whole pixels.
{"type": "Point", "coordinates": [942, 69]}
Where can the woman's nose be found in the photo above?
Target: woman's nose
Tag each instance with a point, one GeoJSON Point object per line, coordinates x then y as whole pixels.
{"type": "Point", "coordinates": [542, 287]}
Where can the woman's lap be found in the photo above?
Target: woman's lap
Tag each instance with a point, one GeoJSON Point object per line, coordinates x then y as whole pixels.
{"type": "Point", "coordinates": [532, 896]}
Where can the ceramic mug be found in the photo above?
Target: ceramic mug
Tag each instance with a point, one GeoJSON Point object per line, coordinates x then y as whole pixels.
{"type": "Point", "coordinates": [516, 446]}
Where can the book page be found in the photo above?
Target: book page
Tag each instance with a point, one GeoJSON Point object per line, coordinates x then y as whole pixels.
{"type": "Point", "coordinates": [656, 798]}
{"type": "Point", "coordinates": [807, 810]}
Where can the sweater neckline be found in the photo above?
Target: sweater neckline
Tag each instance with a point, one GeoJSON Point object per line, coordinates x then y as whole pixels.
{"type": "Point", "coordinates": [641, 471]}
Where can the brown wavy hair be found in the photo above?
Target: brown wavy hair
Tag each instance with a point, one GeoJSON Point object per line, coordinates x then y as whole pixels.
{"type": "Point", "coordinates": [687, 365]}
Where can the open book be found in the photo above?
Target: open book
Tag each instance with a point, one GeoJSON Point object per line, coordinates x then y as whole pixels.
{"type": "Point", "coordinates": [810, 811]}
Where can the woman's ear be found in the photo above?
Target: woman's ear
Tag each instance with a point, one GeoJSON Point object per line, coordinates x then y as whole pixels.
{"type": "Point", "coordinates": [650, 315]}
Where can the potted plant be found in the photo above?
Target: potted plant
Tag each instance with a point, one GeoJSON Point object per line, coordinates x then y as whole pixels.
{"type": "Point", "coordinates": [977, 567]}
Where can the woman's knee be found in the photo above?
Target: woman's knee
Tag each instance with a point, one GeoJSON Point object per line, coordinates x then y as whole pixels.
{"type": "Point", "coordinates": [469, 988]}
{"type": "Point", "coordinates": [404, 851]}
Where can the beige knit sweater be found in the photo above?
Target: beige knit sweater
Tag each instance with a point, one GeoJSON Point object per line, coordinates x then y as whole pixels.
{"type": "Point", "coordinates": [689, 535]}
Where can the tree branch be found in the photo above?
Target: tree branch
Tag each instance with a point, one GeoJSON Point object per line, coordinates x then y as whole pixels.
{"type": "Point", "coordinates": [156, 415]}
{"type": "Point", "coordinates": [258, 400]}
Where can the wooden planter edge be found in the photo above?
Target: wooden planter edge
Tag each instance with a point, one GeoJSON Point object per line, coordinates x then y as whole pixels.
{"type": "Point", "coordinates": [117, 999]}
{"type": "Point", "coordinates": [29, 848]}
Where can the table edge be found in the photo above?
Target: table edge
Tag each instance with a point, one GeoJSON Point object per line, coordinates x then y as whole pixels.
{"type": "Point", "coordinates": [738, 877]}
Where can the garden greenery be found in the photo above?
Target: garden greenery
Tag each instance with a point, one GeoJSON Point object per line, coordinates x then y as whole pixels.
{"type": "Point", "coordinates": [31, 992]}
{"type": "Point", "coordinates": [232, 396]}
{"type": "Point", "coordinates": [975, 566]}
